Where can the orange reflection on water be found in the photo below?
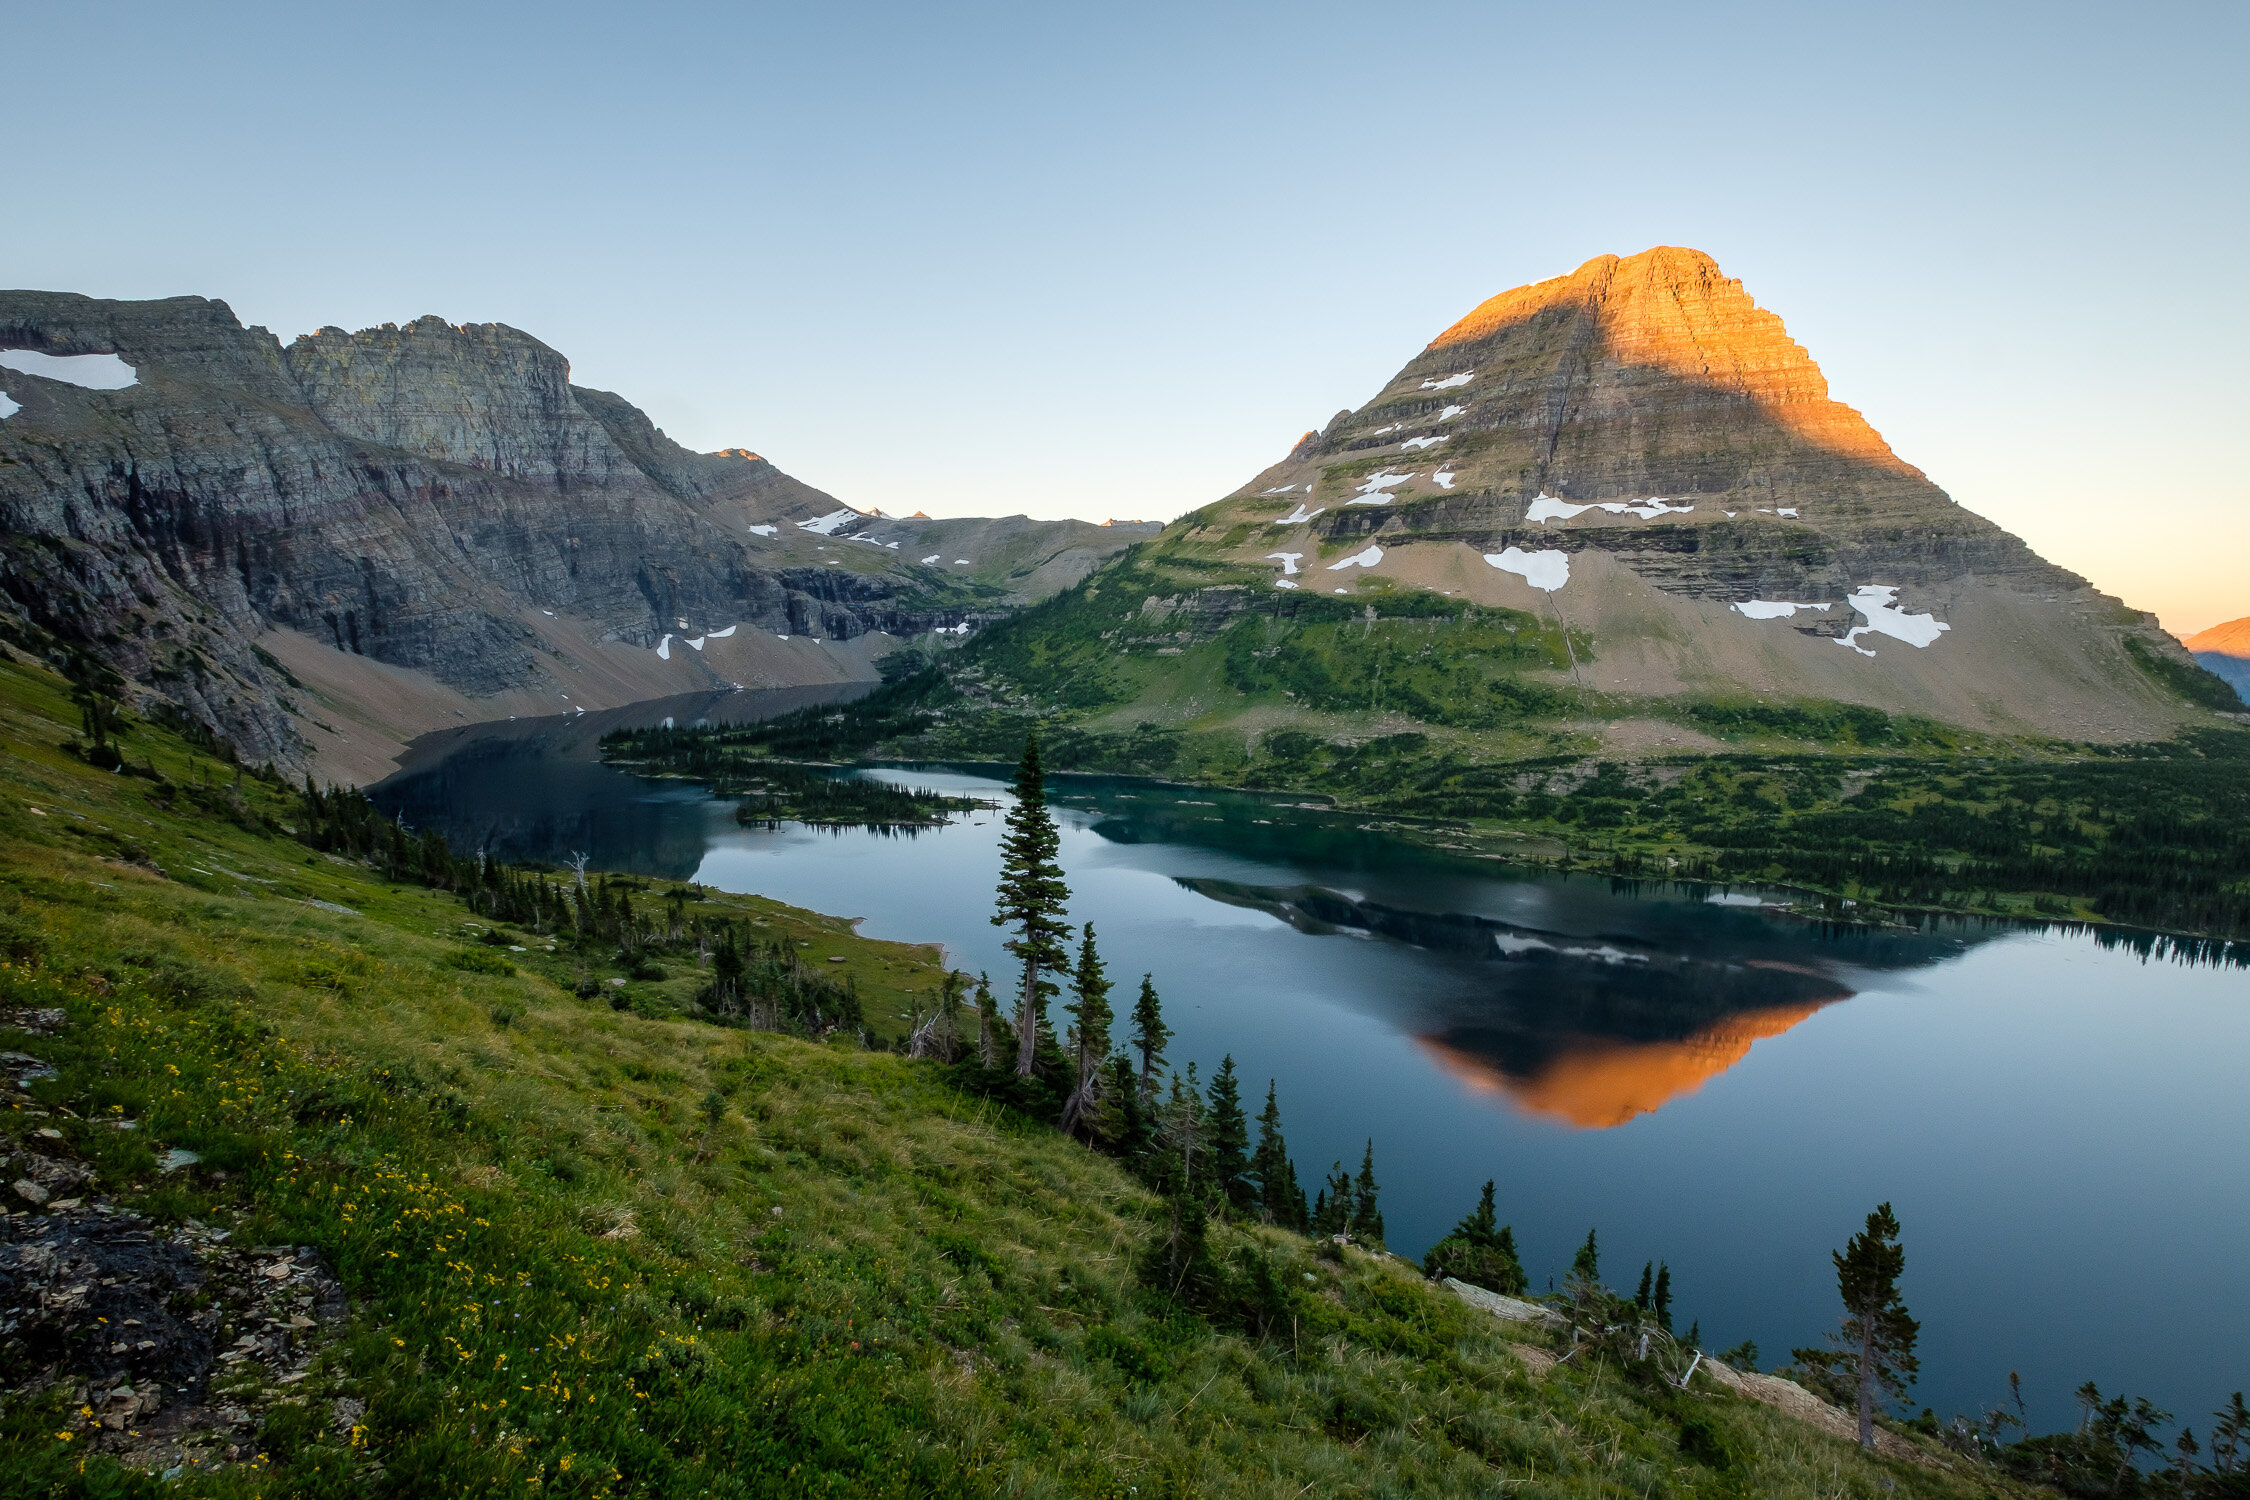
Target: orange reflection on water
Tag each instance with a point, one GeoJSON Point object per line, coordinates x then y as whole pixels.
{"type": "Point", "coordinates": [1597, 1083]}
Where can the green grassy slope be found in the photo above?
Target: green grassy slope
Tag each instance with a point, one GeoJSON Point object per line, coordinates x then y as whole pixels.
{"type": "Point", "coordinates": [598, 1251]}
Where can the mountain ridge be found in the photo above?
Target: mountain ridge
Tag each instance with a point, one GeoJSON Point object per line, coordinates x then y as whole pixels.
{"type": "Point", "coordinates": [317, 549]}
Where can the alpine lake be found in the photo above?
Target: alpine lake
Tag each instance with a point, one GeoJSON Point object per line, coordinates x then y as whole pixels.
{"type": "Point", "coordinates": [2059, 1116]}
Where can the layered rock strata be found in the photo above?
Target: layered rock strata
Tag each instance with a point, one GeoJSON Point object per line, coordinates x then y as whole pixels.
{"type": "Point", "coordinates": [427, 497]}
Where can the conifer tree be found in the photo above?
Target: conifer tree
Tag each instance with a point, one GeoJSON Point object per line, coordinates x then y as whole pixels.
{"type": "Point", "coordinates": [1648, 1274]}
{"type": "Point", "coordinates": [1121, 1123]}
{"type": "Point", "coordinates": [1089, 1029]}
{"type": "Point", "coordinates": [1332, 1211]}
{"type": "Point", "coordinates": [1280, 1200]}
{"type": "Point", "coordinates": [1480, 1251]}
{"type": "Point", "coordinates": [1877, 1335]}
{"type": "Point", "coordinates": [1031, 901]}
{"type": "Point", "coordinates": [1149, 1035]}
{"type": "Point", "coordinates": [988, 1023]}
{"type": "Point", "coordinates": [1367, 1217]}
{"type": "Point", "coordinates": [1660, 1301]}
{"type": "Point", "coordinates": [1227, 1137]}
{"type": "Point", "coordinates": [1586, 1265]}
{"type": "Point", "coordinates": [1182, 1134]}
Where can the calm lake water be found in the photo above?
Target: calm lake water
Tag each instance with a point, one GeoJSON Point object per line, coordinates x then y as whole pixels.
{"type": "Point", "coordinates": [2061, 1123]}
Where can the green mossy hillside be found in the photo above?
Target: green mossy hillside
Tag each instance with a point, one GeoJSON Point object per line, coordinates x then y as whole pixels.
{"type": "Point", "coordinates": [596, 1251]}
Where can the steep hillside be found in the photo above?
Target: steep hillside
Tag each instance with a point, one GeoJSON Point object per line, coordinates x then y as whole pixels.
{"type": "Point", "coordinates": [321, 549]}
{"type": "Point", "coordinates": [1585, 515]}
{"type": "Point", "coordinates": [325, 1184]}
{"type": "Point", "coordinates": [2224, 650]}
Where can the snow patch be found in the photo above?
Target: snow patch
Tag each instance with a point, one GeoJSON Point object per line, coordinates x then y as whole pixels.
{"type": "Point", "coordinates": [1773, 609]}
{"type": "Point", "coordinates": [1450, 413]}
{"type": "Point", "coordinates": [1378, 432]}
{"type": "Point", "coordinates": [664, 649]}
{"type": "Point", "coordinates": [1423, 442]}
{"type": "Point", "coordinates": [1300, 514]}
{"type": "Point", "coordinates": [962, 562]}
{"type": "Point", "coordinates": [826, 525]}
{"type": "Point", "coordinates": [933, 557]}
{"type": "Point", "coordinates": [92, 372]}
{"type": "Point", "coordinates": [1449, 382]}
{"type": "Point", "coordinates": [7, 408]}
{"type": "Point", "coordinates": [694, 643]}
{"type": "Point", "coordinates": [1442, 479]}
{"type": "Point", "coordinates": [720, 635]}
{"type": "Point", "coordinates": [1365, 559]}
{"type": "Point", "coordinates": [765, 530]}
{"type": "Point", "coordinates": [1545, 507]}
{"type": "Point", "coordinates": [1284, 583]}
{"type": "Point", "coordinates": [1288, 560]}
{"type": "Point", "coordinates": [1787, 510]}
{"type": "Point", "coordinates": [1878, 602]}
{"type": "Point", "coordinates": [1371, 491]}
{"type": "Point", "coordinates": [1281, 490]}
{"type": "Point", "coordinates": [1542, 570]}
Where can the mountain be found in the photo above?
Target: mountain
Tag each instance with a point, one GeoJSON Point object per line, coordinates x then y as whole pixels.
{"type": "Point", "coordinates": [319, 549]}
{"type": "Point", "coordinates": [2224, 651]}
{"type": "Point", "coordinates": [1620, 503]}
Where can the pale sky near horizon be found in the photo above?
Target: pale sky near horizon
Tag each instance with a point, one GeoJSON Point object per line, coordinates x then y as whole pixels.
{"type": "Point", "coordinates": [983, 259]}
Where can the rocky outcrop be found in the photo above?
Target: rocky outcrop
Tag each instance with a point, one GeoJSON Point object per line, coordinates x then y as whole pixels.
{"type": "Point", "coordinates": [433, 497]}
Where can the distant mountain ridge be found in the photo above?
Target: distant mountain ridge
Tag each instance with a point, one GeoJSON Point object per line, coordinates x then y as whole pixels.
{"type": "Point", "coordinates": [2224, 651]}
{"type": "Point", "coordinates": [317, 549]}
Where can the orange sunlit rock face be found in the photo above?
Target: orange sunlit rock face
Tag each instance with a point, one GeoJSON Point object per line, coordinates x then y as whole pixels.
{"type": "Point", "coordinates": [1600, 1083]}
{"type": "Point", "coordinates": [1672, 310]}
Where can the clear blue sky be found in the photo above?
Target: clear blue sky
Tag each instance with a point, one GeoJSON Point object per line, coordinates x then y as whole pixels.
{"type": "Point", "coordinates": [1110, 261]}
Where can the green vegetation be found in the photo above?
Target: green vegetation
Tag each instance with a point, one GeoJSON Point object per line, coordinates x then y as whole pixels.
{"type": "Point", "coordinates": [734, 764]}
{"type": "Point", "coordinates": [606, 1251]}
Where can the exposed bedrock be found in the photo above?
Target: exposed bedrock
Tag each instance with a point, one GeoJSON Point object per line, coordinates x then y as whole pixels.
{"type": "Point", "coordinates": [428, 496]}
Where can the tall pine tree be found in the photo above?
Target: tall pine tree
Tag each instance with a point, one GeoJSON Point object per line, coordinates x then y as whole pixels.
{"type": "Point", "coordinates": [1149, 1034]}
{"type": "Point", "coordinates": [1089, 1030]}
{"type": "Point", "coordinates": [1332, 1210]}
{"type": "Point", "coordinates": [1281, 1201]}
{"type": "Point", "coordinates": [1480, 1251]}
{"type": "Point", "coordinates": [1227, 1133]}
{"type": "Point", "coordinates": [1367, 1217]}
{"type": "Point", "coordinates": [1032, 897]}
{"type": "Point", "coordinates": [1877, 1332]}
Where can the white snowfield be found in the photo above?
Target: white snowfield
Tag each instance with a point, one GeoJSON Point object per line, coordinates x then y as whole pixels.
{"type": "Point", "coordinates": [1773, 609]}
{"type": "Point", "coordinates": [93, 372]}
{"type": "Point", "coordinates": [1450, 413]}
{"type": "Point", "coordinates": [1449, 382]}
{"type": "Point", "coordinates": [1442, 479]}
{"type": "Point", "coordinates": [826, 525]}
{"type": "Point", "coordinates": [1378, 432]}
{"type": "Point", "coordinates": [1284, 583]}
{"type": "Point", "coordinates": [1787, 510]}
{"type": "Point", "coordinates": [1545, 507]}
{"type": "Point", "coordinates": [962, 562]}
{"type": "Point", "coordinates": [7, 408]}
{"type": "Point", "coordinates": [1288, 560]}
{"type": "Point", "coordinates": [664, 649]}
{"type": "Point", "coordinates": [1367, 559]}
{"type": "Point", "coordinates": [1423, 442]}
{"type": "Point", "coordinates": [1878, 602]}
{"type": "Point", "coordinates": [1371, 490]}
{"type": "Point", "coordinates": [1542, 570]}
{"type": "Point", "coordinates": [1281, 489]}
{"type": "Point", "coordinates": [1300, 514]}
{"type": "Point", "coordinates": [933, 557]}
{"type": "Point", "coordinates": [765, 531]}
{"type": "Point", "coordinates": [720, 635]}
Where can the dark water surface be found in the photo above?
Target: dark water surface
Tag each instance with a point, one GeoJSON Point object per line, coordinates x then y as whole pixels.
{"type": "Point", "coordinates": [2062, 1123]}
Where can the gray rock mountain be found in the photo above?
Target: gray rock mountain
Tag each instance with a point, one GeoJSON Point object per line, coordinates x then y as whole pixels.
{"type": "Point", "coordinates": [318, 549]}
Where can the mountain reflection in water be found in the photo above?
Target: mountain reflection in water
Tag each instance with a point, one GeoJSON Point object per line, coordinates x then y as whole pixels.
{"type": "Point", "coordinates": [1592, 1032]}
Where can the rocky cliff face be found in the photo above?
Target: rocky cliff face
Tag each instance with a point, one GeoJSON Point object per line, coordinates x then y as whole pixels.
{"type": "Point", "coordinates": [433, 498]}
{"type": "Point", "coordinates": [1639, 450]}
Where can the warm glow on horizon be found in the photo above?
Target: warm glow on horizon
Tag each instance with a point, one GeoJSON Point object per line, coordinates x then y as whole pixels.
{"type": "Point", "coordinates": [1599, 1083]}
